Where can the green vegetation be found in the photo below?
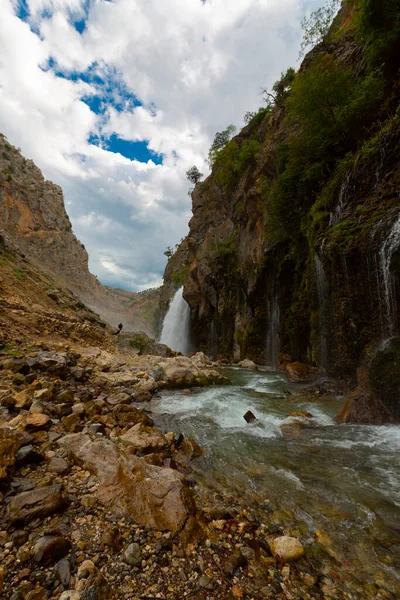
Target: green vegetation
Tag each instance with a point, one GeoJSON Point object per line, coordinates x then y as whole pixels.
{"type": "Point", "coordinates": [221, 140]}
{"type": "Point", "coordinates": [178, 277]}
{"type": "Point", "coordinates": [139, 342]}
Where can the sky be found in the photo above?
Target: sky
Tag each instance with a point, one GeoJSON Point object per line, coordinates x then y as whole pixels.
{"type": "Point", "coordinates": [115, 99]}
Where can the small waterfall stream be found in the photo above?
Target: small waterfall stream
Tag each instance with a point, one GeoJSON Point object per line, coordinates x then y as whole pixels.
{"type": "Point", "coordinates": [388, 283]}
{"type": "Point", "coordinates": [175, 331]}
{"type": "Point", "coordinates": [273, 321]}
{"type": "Point", "coordinates": [320, 279]}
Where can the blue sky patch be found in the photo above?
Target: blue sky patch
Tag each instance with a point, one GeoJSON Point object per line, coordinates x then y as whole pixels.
{"type": "Point", "coordinates": [133, 150]}
{"type": "Point", "coordinates": [80, 26]}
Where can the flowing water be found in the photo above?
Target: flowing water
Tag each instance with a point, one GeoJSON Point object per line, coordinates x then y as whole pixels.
{"type": "Point", "coordinates": [388, 248]}
{"type": "Point", "coordinates": [175, 331]}
{"type": "Point", "coordinates": [341, 480]}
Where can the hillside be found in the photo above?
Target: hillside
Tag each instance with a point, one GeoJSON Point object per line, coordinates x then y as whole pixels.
{"type": "Point", "coordinates": [293, 248]}
{"type": "Point", "coordinates": [33, 217]}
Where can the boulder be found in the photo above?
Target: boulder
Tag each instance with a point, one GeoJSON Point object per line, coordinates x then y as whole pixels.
{"type": "Point", "coordinates": [300, 373]}
{"type": "Point", "coordinates": [38, 503]}
{"type": "Point", "coordinates": [56, 364]}
{"type": "Point", "coordinates": [58, 465]}
{"type": "Point", "coordinates": [133, 555]}
{"type": "Point", "coordinates": [145, 439]}
{"type": "Point", "coordinates": [249, 417]}
{"type": "Point", "coordinates": [37, 422]}
{"type": "Point", "coordinates": [153, 496]}
{"type": "Point", "coordinates": [292, 431]}
{"type": "Point", "coordinates": [248, 364]}
{"type": "Point", "coordinates": [120, 398]}
{"type": "Point", "coordinates": [287, 548]}
{"type": "Point", "coordinates": [200, 360]}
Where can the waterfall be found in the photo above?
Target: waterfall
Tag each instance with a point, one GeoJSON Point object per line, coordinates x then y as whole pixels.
{"type": "Point", "coordinates": [320, 279]}
{"type": "Point", "coordinates": [175, 331]}
{"type": "Point", "coordinates": [273, 316]}
{"type": "Point", "coordinates": [387, 279]}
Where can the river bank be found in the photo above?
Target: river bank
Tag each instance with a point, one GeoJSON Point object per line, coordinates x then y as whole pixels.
{"type": "Point", "coordinates": [98, 503]}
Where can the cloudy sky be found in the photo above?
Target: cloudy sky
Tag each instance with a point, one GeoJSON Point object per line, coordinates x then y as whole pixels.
{"type": "Point", "coordinates": [115, 100]}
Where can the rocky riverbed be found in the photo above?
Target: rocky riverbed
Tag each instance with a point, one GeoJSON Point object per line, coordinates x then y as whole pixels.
{"type": "Point", "coordinates": [98, 504]}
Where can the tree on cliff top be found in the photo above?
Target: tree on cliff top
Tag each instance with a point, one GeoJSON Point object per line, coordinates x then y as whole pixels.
{"type": "Point", "coordinates": [193, 175]}
{"type": "Point", "coordinates": [220, 141]}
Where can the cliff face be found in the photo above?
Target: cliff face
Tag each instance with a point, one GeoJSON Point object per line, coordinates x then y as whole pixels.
{"type": "Point", "coordinates": [294, 244]}
{"type": "Point", "coordinates": [33, 217]}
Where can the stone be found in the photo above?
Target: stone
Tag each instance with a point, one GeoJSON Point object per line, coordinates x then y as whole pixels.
{"type": "Point", "coordinates": [96, 588]}
{"type": "Point", "coordinates": [86, 569]}
{"type": "Point", "coordinates": [16, 365]}
{"type": "Point", "coordinates": [50, 549]}
{"type": "Point", "coordinates": [36, 503]}
{"type": "Point", "coordinates": [249, 417]}
{"type": "Point", "coordinates": [58, 465]}
{"type": "Point", "coordinates": [37, 422]}
{"type": "Point", "coordinates": [37, 594]}
{"type": "Point", "coordinates": [287, 548]}
{"type": "Point", "coordinates": [24, 399]}
{"type": "Point", "coordinates": [10, 442]}
{"type": "Point", "coordinates": [200, 360]}
{"type": "Point", "coordinates": [72, 422]}
{"type": "Point", "coordinates": [133, 555]}
{"type": "Point", "coordinates": [97, 428]}
{"type": "Point", "coordinates": [78, 373]}
{"type": "Point", "coordinates": [300, 373]}
{"type": "Point", "coordinates": [70, 595]}
{"type": "Point", "coordinates": [78, 409]}
{"type": "Point", "coordinates": [302, 414]}
{"type": "Point", "coordinates": [62, 571]}
{"type": "Point", "coordinates": [248, 364]}
{"type": "Point", "coordinates": [65, 397]}
{"type": "Point", "coordinates": [111, 538]}
{"type": "Point", "coordinates": [44, 395]}
{"type": "Point", "coordinates": [145, 439]}
{"type": "Point", "coordinates": [127, 416]}
{"type": "Point", "coordinates": [121, 398]}
{"type": "Point", "coordinates": [48, 362]}
{"type": "Point", "coordinates": [28, 455]}
{"type": "Point", "coordinates": [155, 497]}
{"type": "Point", "coordinates": [36, 407]}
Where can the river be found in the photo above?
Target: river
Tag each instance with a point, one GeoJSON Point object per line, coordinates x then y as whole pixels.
{"type": "Point", "coordinates": [339, 484]}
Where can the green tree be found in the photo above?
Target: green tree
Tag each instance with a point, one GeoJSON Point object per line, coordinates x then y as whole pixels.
{"type": "Point", "coordinates": [168, 252]}
{"type": "Point", "coordinates": [193, 175]}
{"type": "Point", "coordinates": [280, 89]}
{"type": "Point", "coordinates": [221, 139]}
{"type": "Point", "coordinates": [316, 26]}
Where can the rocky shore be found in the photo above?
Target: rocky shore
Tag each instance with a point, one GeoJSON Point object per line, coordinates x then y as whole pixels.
{"type": "Point", "coordinates": [99, 504]}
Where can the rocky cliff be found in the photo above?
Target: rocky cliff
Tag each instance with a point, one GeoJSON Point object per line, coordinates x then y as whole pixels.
{"type": "Point", "coordinates": [33, 217]}
{"type": "Point", "coordinates": [294, 244]}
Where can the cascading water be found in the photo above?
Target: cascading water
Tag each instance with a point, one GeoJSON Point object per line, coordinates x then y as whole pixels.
{"type": "Point", "coordinates": [320, 279]}
{"type": "Point", "coordinates": [175, 331]}
{"type": "Point", "coordinates": [387, 279]}
{"type": "Point", "coordinates": [273, 320]}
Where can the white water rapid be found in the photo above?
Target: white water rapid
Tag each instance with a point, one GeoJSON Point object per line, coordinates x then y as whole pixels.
{"type": "Point", "coordinates": [175, 331]}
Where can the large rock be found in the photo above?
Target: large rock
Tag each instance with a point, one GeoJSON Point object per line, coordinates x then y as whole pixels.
{"type": "Point", "coordinates": [145, 439]}
{"type": "Point", "coordinates": [201, 360]}
{"type": "Point", "coordinates": [56, 364]}
{"type": "Point", "coordinates": [287, 548]}
{"type": "Point", "coordinates": [300, 373]}
{"type": "Point", "coordinates": [51, 548]}
{"type": "Point", "coordinates": [248, 364]}
{"type": "Point", "coordinates": [10, 442]}
{"type": "Point", "coordinates": [180, 372]}
{"type": "Point", "coordinates": [35, 504]}
{"type": "Point", "coordinates": [127, 416]}
{"type": "Point", "coordinates": [154, 497]}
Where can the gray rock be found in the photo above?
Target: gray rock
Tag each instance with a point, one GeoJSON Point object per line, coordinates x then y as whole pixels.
{"type": "Point", "coordinates": [62, 571]}
{"type": "Point", "coordinates": [58, 465]}
{"type": "Point", "coordinates": [28, 455]}
{"type": "Point", "coordinates": [49, 362]}
{"type": "Point", "coordinates": [133, 555]}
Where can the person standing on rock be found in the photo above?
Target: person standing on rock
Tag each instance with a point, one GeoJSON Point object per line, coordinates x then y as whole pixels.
{"type": "Point", "coordinates": [119, 329]}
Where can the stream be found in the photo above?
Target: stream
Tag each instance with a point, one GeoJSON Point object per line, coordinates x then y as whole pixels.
{"type": "Point", "coordinates": [339, 484]}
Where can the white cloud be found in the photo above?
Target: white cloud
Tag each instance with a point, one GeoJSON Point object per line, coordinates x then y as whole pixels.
{"type": "Point", "coordinates": [194, 67]}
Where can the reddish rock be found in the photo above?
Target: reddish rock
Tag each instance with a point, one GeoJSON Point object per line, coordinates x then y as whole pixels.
{"type": "Point", "coordinates": [35, 504]}
{"type": "Point", "coordinates": [300, 372]}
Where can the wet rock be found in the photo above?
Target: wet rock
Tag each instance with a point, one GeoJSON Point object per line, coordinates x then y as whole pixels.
{"type": "Point", "coordinates": [145, 439]}
{"type": "Point", "coordinates": [155, 497]}
{"type": "Point", "coordinates": [249, 417]}
{"type": "Point", "coordinates": [248, 364]}
{"type": "Point", "coordinates": [292, 431]}
{"type": "Point", "coordinates": [127, 416]}
{"type": "Point", "coordinates": [200, 360]}
{"type": "Point", "coordinates": [50, 549]}
{"type": "Point", "coordinates": [133, 555]}
{"type": "Point", "coordinates": [287, 548]}
{"type": "Point", "coordinates": [35, 504]}
{"type": "Point", "coordinates": [28, 455]}
{"type": "Point", "coordinates": [300, 372]}
{"type": "Point", "coordinates": [58, 465]}
{"type": "Point", "coordinates": [302, 414]}
{"type": "Point", "coordinates": [62, 571]}
{"type": "Point", "coordinates": [9, 444]}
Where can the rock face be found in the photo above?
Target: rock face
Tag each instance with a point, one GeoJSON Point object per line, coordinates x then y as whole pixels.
{"type": "Point", "coordinates": [155, 497]}
{"type": "Point", "coordinates": [309, 270]}
{"type": "Point", "coordinates": [33, 218]}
